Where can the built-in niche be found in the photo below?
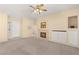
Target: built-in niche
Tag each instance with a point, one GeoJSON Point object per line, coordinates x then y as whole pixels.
{"type": "Point", "coordinates": [43, 24]}
{"type": "Point", "coordinates": [73, 22]}
{"type": "Point", "coordinates": [43, 34]}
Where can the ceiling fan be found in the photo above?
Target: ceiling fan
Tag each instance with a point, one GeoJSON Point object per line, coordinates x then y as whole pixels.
{"type": "Point", "coordinates": [39, 8]}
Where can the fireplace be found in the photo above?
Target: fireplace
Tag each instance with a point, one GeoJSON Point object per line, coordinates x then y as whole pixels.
{"type": "Point", "coordinates": [43, 34]}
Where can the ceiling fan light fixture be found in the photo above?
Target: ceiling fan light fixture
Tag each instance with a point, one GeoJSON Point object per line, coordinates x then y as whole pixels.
{"type": "Point", "coordinates": [36, 10]}
{"type": "Point", "coordinates": [39, 8]}
{"type": "Point", "coordinates": [41, 11]}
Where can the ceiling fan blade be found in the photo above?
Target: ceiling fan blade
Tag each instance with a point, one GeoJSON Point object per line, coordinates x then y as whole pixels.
{"type": "Point", "coordinates": [44, 10]}
{"type": "Point", "coordinates": [32, 7]}
{"type": "Point", "coordinates": [37, 6]}
{"type": "Point", "coordinates": [41, 4]}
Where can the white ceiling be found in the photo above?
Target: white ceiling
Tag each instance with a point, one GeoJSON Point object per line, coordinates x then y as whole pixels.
{"type": "Point", "coordinates": [23, 10]}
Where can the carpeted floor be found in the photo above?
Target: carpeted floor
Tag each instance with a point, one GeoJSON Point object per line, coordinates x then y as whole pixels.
{"type": "Point", "coordinates": [34, 46]}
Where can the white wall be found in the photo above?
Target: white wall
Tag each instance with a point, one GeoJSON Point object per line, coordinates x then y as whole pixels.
{"type": "Point", "coordinates": [3, 27]}
{"type": "Point", "coordinates": [26, 27]}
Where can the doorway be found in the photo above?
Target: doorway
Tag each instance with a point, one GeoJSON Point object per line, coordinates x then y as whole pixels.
{"type": "Point", "coordinates": [14, 29]}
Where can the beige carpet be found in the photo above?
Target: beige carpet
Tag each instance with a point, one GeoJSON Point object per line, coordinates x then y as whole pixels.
{"type": "Point", "coordinates": [34, 46]}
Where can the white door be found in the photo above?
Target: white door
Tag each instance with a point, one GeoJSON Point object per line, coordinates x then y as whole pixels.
{"type": "Point", "coordinates": [14, 29]}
